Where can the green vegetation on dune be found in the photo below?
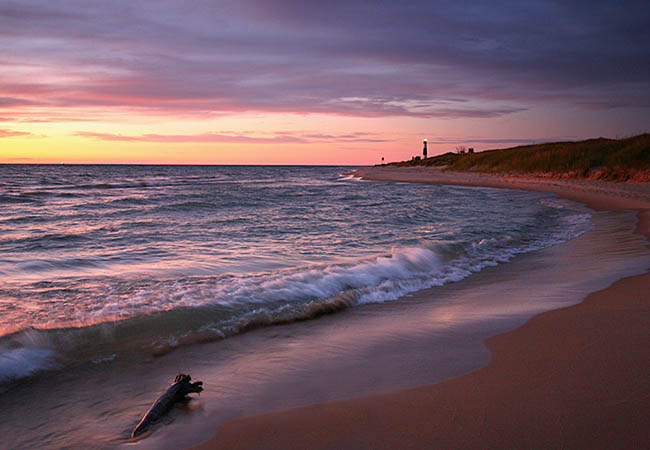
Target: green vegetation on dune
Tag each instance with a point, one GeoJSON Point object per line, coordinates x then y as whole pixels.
{"type": "Point", "coordinates": [444, 160]}
{"type": "Point", "coordinates": [613, 159]}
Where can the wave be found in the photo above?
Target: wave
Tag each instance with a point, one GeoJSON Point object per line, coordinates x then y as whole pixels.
{"type": "Point", "coordinates": [16, 363]}
{"type": "Point", "coordinates": [187, 205]}
{"type": "Point", "coordinates": [158, 316]}
{"type": "Point", "coordinates": [45, 241]}
{"type": "Point", "coordinates": [27, 219]}
{"type": "Point", "coordinates": [349, 176]}
{"type": "Point", "coordinates": [17, 198]}
{"type": "Point", "coordinates": [144, 183]}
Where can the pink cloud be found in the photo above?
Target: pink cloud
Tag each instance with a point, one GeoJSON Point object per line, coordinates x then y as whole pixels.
{"type": "Point", "coordinates": [276, 138]}
{"type": "Point", "coordinates": [186, 138]}
{"type": "Point", "coordinates": [13, 133]}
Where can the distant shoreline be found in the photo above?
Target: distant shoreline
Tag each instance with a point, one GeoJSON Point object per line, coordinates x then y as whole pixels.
{"type": "Point", "coordinates": [625, 159]}
{"type": "Point", "coordinates": [573, 377]}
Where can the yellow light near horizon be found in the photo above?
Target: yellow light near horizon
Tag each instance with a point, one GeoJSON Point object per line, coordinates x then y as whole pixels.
{"type": "Point", "coordinates": [56, 142]}
{"type": "Point", "coordinates": [351, 141]}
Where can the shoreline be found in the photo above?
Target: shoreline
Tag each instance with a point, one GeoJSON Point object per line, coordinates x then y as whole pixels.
{"type": "Point", "coordinates": [574, 377]}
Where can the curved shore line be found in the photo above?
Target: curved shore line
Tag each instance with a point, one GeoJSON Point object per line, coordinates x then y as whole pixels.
{"type": "Point", "coordinates": [575, 377]}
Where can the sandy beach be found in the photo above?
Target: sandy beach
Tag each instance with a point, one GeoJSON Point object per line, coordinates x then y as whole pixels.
{"type": "Point", "coordinates": [575, 377]}
{"type": "Point", "coordinates": [318, 213]}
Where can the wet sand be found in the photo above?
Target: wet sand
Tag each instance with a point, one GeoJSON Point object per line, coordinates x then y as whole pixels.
{"type": "Point", "coordinates": [575, 377]}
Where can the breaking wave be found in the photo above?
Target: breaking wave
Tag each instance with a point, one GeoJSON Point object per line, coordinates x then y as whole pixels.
{"type": "Point", "coordinates": [100, 263]}
{"type": "Point", "coordinates": [159, 316]}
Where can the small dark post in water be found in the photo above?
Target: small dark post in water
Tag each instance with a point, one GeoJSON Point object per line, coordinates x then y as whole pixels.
{"type": "Point", "coordinates": [424, 151]}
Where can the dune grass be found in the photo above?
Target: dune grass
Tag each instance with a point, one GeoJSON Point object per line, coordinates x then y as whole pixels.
{"type": "Point", "coordinates": [602, 158]}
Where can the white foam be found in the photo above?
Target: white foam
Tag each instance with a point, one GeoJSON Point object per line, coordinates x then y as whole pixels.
{"type": "Point", "coordinates": [23, 362]}
{"type": "Point", "coordinates": [281, 293]}
{"type": "Point", "coordinates": [350, 176]}
{"type": "Point", "coordinates": [104, 359]}
{"type": "Point", "coordinates": [374, 279]}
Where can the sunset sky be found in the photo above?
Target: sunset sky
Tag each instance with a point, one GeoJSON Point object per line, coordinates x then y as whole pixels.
{"type": "Point", "coordinates": [313, 82]}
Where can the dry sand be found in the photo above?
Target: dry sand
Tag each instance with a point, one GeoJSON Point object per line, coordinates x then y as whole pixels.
{"type": "Point", "coordinates": [576, 377]}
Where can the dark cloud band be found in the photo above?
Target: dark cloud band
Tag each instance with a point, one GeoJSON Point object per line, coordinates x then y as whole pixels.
{"type": "Point", "coordinates": [352, 57]}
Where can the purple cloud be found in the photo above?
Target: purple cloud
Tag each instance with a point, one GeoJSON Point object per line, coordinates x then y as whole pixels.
{"type": "Point", "coordinates": [498, 141]}
{"type": "Point", "coordinates": [410, 58]}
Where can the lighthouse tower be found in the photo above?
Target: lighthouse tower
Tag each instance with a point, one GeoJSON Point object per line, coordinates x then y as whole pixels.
{"type": "Point", "coordinates": [424, 150]}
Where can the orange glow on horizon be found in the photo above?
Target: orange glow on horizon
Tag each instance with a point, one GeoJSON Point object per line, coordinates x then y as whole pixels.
{"type": "Point", "coordinates": [235, 139]}
{"type": "Point", "coordinates": [128, 136]}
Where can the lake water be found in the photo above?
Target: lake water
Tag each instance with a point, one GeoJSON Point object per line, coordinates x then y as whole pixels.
{"type": "Point", "coordinates": [105, 267]}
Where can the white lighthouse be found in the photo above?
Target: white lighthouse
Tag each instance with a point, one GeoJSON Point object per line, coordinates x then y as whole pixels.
{"type": "Point", "coordinates": [424, 150]}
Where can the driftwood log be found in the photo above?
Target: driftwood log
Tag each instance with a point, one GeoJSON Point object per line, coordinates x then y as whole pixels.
{"type": "Point", "coordinates": [177, 392]}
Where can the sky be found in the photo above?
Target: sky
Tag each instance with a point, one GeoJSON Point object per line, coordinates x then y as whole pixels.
{"type": "Point", "coordinates": [313, 82]}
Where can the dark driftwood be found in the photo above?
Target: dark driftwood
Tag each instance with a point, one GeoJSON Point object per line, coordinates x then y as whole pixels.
{"type": "Point", "coordinates": [177, 392]}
